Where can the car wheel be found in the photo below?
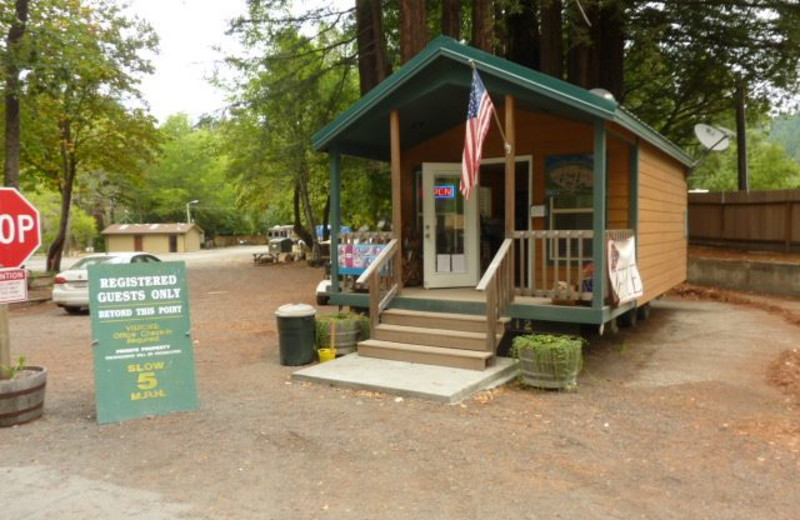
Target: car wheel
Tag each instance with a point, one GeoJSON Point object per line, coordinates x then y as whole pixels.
{"type": "Point", "coordinates": [73, 310]}
{"type": "Point", "coordinates": [322, 300]}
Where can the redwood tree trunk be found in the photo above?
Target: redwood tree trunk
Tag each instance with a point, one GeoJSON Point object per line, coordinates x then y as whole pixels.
{"type": "Point", "coordinates": [451, 18]}
{"type": "Point", "coordinates": [552, 43]}
{"type": "Point", "coordinates": [413, 28]}
{"type": "Point", "coordinates": [12, 137]}
{"type": "Point", "coordinates": [582, 55]}
{"type": "Point", "coordinates": [373, 67]}
{"type": "Point", "coordinates": [610, 49]}
{"type": "Point", "coordinates": [482, 25]}
{"type": "Point", "coordinates": [523, 35]}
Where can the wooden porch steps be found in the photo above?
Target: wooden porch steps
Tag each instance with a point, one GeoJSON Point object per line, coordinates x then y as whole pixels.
{"type": "Point", "coordinates": [448, 357]}
{"type": "Point", "coordinates": [463, 322]}
{"type": "Point", "coordinates": [446, 338]}
{"type": "Point", "coordinates": [433, 338]}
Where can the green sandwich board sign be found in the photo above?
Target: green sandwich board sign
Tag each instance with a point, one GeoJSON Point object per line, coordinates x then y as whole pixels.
{"type": "Point", "coordinates": [143, 352]}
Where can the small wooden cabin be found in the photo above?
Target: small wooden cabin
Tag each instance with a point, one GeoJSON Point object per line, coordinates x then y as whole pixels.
{"type": "Point", "coordinates": [153, 238]}
{"type": "Point", "coordinates": [533, 240]}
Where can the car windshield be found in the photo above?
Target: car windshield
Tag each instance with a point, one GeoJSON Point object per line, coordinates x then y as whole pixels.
{"type": "Point", "coordinates": [84, 263]}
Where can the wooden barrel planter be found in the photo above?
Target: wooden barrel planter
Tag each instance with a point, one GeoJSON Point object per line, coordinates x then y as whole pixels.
{"type": "Point", "coordinates": [549, 361]}
{"type": "Point", "coordinates": [341, 332]}
{"type": "Point", "coordinates": [22, 398]}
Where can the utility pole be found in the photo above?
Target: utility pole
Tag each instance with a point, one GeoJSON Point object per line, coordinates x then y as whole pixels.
{"type": "Point", "coordinates": [741, 137]}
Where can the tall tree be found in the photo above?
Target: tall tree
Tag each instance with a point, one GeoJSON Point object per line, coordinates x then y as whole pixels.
{"type": "Point", "coordinates": [522, 27]}
{"type": "Point", "coordinates": [80, 88]}
{"type": "Point", "coordinates": [552, 43]}
{"type": "Point", "coordinates": [483, 25]}
{"type": "Point", "coordinates": [281, 102]}
{"type": "Point", "coordinates": [413, 28]}
{"type": "Point", "coordinates": [451, 18]}
{"type": "Point", "coordinates": [12, 68]}
{"type": "Point", "coordinates": [373, 65]}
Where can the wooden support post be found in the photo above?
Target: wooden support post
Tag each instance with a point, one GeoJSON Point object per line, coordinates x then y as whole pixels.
{"type": "Point", "coordinates": [599, 227]}
{"type": "Point", "coordinates": [397, 194]}
{"type": "Point", "coordinates": [335, 217]}
{"type": "Point", "coordinates": [510, 196]}
{"type": "Point", "coordinates": [5, 341]}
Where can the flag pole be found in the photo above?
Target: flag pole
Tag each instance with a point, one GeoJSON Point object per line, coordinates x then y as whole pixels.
{"type": "Point", "coordinates": [506, 146]}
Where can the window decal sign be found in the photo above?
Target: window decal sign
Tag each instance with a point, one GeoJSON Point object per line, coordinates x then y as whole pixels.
{"type": "Point", "coordinates": [143, 351]}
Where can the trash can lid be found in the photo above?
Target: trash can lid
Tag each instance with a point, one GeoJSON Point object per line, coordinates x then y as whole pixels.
{"type": "Point", "coordinates": [295, 310]}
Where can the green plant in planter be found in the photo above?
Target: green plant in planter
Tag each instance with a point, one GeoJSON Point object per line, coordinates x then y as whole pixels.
{"type": "Point", "coordinates": [10, 372]}
{"type": "Point", "coordinates": [348, 328]}
{"type": "Point", "coordinates": [549, 361]}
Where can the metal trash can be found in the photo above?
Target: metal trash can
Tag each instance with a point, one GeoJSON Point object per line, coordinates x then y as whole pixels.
{"type": "Point", "coordinates": [296, 331]}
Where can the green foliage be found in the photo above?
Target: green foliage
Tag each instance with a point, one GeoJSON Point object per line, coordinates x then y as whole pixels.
{"type": "Point", "coordinates": [769, 165]}
{"type": "Point", "coordinates": [12, 371]}
{"type": "Point", "coordinates": [786, 132]}
{"type": "Point", "coordinates": [282, 99]}
{"type": "Point", "coordinates": [191, 166]}
{"type": "Point", "coordinates": [82, 226]}
{"type": "Point", "coordinates": [685, 60]}
{"type": "Point", "coordinates": [81, 108]}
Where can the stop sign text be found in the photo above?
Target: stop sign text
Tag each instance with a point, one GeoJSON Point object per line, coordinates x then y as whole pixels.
{"type": "Point", "coordinates": [14, 228]}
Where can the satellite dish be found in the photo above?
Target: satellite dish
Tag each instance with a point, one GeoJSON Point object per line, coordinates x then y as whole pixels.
{"type": "Point", "coordinates": [714, 138]}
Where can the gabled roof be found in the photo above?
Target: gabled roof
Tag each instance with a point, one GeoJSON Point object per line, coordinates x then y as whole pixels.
{"type": "Point", "coordinates": [431, 93]}
{"type": "Point", "coordinates": [149, 229]}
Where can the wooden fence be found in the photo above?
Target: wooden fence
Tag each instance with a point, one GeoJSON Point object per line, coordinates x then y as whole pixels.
{"type": "Point", "coordinates": [768, 220]}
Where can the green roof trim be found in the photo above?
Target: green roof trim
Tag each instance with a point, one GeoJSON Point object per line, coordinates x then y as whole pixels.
{"type": "Point", "coordinates": [430, 81]}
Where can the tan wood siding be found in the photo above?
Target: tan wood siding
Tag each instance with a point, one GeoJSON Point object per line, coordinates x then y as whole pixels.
{"type": "Point", "coordinates": [662, 222]}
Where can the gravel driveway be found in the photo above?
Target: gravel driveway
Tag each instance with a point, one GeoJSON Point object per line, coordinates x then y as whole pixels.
{"type": "Point", "coordinates": [673, 419]}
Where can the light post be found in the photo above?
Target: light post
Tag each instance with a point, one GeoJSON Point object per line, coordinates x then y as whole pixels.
{"type": "Point", "coordinates": [189, 211]}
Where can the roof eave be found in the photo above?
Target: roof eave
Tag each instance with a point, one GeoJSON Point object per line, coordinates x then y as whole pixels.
{"type": "Point", "coordinates": [628, 121]}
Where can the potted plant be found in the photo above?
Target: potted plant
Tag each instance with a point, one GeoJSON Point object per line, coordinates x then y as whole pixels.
{"type": "Point", "coordinates": [21, 393]}
{"type": "Point", "coordinates": [549, 361]}
{"type": "Point", "coordinates": [341, 331]}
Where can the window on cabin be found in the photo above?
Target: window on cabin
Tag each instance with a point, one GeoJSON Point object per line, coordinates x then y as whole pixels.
{"type": "Point", "coordinates": [569, 191]}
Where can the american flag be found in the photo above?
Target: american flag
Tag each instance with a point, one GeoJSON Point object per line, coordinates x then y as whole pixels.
{"type": "Point", "coordinates": [479, 115]}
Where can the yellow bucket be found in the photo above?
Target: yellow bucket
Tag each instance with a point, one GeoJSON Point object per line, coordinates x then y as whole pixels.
{"type": "Point", "coordinates": [326, 354]}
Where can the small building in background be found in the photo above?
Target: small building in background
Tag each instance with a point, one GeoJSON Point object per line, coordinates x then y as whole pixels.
{"type": "Point", "coordinates": [153, 238]}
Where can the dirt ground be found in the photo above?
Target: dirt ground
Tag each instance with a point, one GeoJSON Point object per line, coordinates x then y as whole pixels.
{"type": "Point", "coordinates": [680, 417]}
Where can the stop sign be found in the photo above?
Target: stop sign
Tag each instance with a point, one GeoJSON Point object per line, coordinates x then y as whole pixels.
{"type": "Point", "coordinates": [20, 234]}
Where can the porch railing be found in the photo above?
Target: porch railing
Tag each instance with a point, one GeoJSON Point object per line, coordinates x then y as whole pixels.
{"type": "Point", "coordinates": [365, 237]}
{"type": "Point", "coordinates": [496, 283]}
{"type": "Point", "coordinates": [548, 257]}
{"type": "Point", "coordinates": [381, 278]}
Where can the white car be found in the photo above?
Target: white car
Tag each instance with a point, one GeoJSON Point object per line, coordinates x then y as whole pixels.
{"type": "Point", "coordinates": [71, 287]}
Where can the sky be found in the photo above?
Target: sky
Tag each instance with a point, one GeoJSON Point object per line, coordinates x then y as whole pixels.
{"type": "Point", "coordinates": [188, 31]}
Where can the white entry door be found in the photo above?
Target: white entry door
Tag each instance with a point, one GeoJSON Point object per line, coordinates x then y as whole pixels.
{"type": "Point", "coordinates": [450, 228]}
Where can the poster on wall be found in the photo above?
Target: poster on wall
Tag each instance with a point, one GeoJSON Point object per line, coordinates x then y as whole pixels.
{"type": "Point", "coordinates": [626, 284]}
{"type": "Point", "coordinates": [143, 351]}
{"type": "Point", "coordinates": [569, 173]}
{"type": "Point", "coordinates": [355, 258]}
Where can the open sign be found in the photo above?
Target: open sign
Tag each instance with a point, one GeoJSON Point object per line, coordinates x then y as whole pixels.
{"type": "Point", "coordinates": [446, 191]}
